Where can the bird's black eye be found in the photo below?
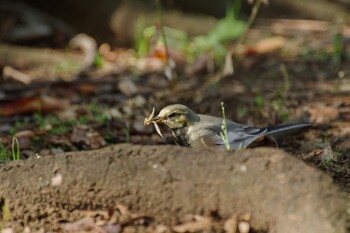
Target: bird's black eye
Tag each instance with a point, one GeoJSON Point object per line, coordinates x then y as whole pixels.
{"type": "Point", "coordinates": [173, 114]}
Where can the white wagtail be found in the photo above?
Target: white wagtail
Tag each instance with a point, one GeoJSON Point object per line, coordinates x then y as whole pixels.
{"type": "Point", "coordinates": [197, 130]}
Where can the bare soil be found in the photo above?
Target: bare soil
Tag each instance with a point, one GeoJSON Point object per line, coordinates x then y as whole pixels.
{"type": "Point", "coordinates": [280, 192]}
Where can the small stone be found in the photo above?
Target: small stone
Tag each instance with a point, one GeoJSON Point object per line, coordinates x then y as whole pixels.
{"type": "Point", "coordinates": [56, 180]}
{"type": "Point", "coordinates": [243, 227]}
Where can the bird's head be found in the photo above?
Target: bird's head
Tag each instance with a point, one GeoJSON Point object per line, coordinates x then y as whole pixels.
{"type": "Point", "coordinates": [175, 116]}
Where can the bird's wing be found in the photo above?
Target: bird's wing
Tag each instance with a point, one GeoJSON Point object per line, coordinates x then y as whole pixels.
{"type": "Point", "coordinates": [209, 130]}
{"type": "Point", "coordinates": [239, 136]}
{"type": "Point", "coordinates": [242, 136]}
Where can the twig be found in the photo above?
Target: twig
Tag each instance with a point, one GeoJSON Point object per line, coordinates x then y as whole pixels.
{"type": "Point", "coordinates": [228, 68]}
{"type": "Point", "coordinates": [11, 73]}
{"type": "Point", "coordinates": [250, 22]}
{"type": "Point", "coordinates": [170, 63]}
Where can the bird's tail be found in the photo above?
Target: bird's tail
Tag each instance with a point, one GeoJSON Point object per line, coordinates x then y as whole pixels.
{"type": "Point", "coordinates": [279, 131]}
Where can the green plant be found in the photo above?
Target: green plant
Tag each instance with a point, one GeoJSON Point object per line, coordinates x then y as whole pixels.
{"type": "Point", "coordinates": [40, 120]}
{"type": "Point", "coordinates": [328, 156]}
{"type": "Point", "coordinates": [37, 141]}
{"type": "Point", "coordinates": [223, 133]}
{"type": "Point", "coordinates": [161, 28]}
{"type": "Point", "coordinates": [109, 136]}
{"type": "Point", "coordinates": [14, 154]}
{"type": "Point", "coordinates": [175, 39]}
{"type": "Point", "coordinates": [279, 107]}
{"type": "Point", "coordinates": [67, 65]}
{"type": "Point", "coordinates": [6, 212]}
{"type": "Point", "coordinates": [127, 132]}
{"type": "Point", "coordinates": [259, 103]}
{"type": "Point", "coordinates": [99, 61]}
{"type": "Point", "coordinates": [278, 104]}
{"type": "Point", "coordinates": [170, 64]}
{"type": "Point", "coordinates": [338, 48]}
{"type": "Point", "coordinates": [84, 120]}
{"type": "Point", "coordinates": [99, 113]}
{"type": "Point", "coordinates": [3, 154]}
{"type": "Point", "coordinates": [338, 43]}
{"type": "Point", "coordinates": [143, 37]}
{"type": "Point", "coordinates": [226, 30]}
{"type": "Point", "coordinates": [62, 128]}
{"type": "Point", "coordinates": [283, 91]}
{"type": "Point", "coordinates": [242, 111]}
{"type": "Point", "coordinates": [53, 124]}
{"type": "Point", "coordinates": [19, 125]}
{"type": "Point", "coordinates": [228, 68]}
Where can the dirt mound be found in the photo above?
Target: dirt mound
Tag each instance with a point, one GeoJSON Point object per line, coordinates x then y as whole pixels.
{"type": "Point", "coordinates": [281, 193]}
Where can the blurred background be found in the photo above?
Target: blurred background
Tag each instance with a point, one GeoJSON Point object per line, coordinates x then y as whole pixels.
{"type": "Point", "coordinates": [109, 20]}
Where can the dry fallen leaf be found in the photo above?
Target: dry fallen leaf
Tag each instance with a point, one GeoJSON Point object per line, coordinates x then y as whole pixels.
{"type": "Point", "coordinates": [150, 64]}
{"type": "Point", "coordinates": [106, 51]}
{"type": "Point", "coordinates": [124, 210]}
{"type": "Point", "coordinates": [7, 230]}
{"type": "Point", "coordinates": [24, 138]}
{"type": "Point", "coordinates": [230, 225]}
{"type": "Point", "coordinates": [87, 137]}
{"type": "Point", "coordinates": [288, 26]}
{"type": "Point", "coordinates": [159, 228]}
{"type": "Point", "coordinates": [319, 113]}
{"type": "Point", "coordinates": [267, 45]}
{"type": "Point", "coordinates": [127, 87]}
{"type": "Point", "coordinates": [204, 64]}
{"type": "Point", "coordinates": [89, 47]}
{"type": "Point", "coordinates": [245, 217]}
{"type": "Point", "coordinates": [84, 224]}
{"type": "Point", "coordinates": [323, 152]}
{"type": "Point", "coordinates": [30, 105]}
{"type": "Point", "coordinates": [12, 73]}
{"type": "Point", "coordinates": [111, 228]}
{"type": "Point", "coordinates": [60, 140]}
{"type": "Point", "coordinates": [199, 224]}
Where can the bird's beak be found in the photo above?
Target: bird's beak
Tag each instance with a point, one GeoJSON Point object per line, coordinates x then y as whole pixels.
{"type": "Point", "coordinates": [152, 119]}
{"type": "Point", "coordinates": [156, 119]}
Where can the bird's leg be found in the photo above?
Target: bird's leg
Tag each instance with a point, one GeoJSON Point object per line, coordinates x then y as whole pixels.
{"type": "Point", "coordinates": [273, 140]}
{"type": "Point", "coordinates": [204, 143]}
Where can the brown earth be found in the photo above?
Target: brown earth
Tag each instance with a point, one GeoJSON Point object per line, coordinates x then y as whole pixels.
{"type": "Point", "coordinates": [279, 191]}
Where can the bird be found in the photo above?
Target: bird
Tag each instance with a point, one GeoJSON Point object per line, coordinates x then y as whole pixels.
{"type": "Point", "coordinates": [190, 129]}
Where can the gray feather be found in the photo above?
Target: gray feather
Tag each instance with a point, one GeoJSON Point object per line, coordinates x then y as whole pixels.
{"type": "Point", "coordinates": [239, 136]}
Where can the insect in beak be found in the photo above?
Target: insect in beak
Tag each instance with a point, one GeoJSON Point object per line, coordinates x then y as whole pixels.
{"type": "Point", "coordinates": [153, 120]}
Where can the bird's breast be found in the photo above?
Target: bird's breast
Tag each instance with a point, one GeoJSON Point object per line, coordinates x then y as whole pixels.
{"type": "Point", "coordinates": [180, 136]}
